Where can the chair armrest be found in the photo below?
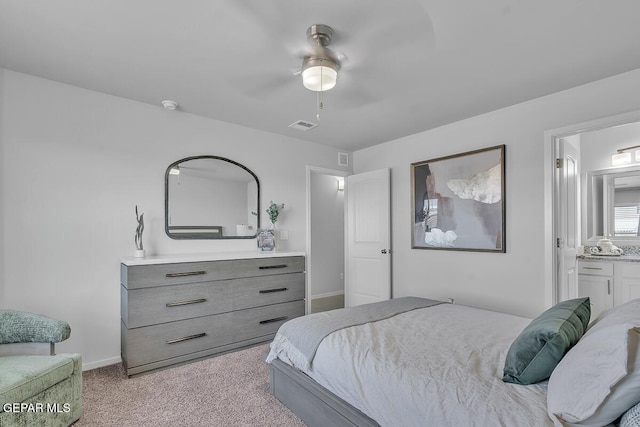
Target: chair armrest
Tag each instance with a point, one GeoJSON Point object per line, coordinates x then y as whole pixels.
{"type": "Point", "coordinates": [20, 327]}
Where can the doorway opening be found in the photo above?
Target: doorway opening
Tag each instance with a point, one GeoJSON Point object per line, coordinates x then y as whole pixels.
{"type": "Point", "coordinates": [568, 228]}
{"type": "Point", "coordinates": [325, 239]}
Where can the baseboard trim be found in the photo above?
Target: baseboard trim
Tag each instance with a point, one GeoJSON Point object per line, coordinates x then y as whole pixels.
{"type": "Point", "coordinates": [328, 294]}
{"type": "Point", "coordinates": [101, 363]}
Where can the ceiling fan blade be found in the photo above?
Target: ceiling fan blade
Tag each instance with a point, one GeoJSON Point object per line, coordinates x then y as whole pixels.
{"type": "Point", "coordinates": [353, 98]}
{"type": "Point", "coordinates": [261, 18]}
{"type": "Point", "coordinates": [260, 86]}
{"type": "Point", "coordinates": [350, 93]}
{"type": "Point", "coordinates": [364, 37]}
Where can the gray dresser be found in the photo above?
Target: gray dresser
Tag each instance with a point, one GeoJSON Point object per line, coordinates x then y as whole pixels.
{"type": "Point", "coordinates": [178, 309]}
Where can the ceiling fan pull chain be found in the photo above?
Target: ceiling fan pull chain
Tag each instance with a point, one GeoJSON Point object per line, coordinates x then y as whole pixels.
{"type": "Point", "coordinates": [319, 96]}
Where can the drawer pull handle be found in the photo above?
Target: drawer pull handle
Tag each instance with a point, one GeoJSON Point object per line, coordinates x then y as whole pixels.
{"type": "Point", "coordinates": [268, 291]}
{"type": "Point", "coordinates": [277, 319]}
{"type": "Point", "coordinates": [268, 267]}
{"type": "Point", "coordinates": [187, 338]}
{"type": "Point", "coordinates": [179, 303]}
{"type": "Point", "coordinates": [188, 273]}
{"type": "Point", "coordinates": [592, 268]}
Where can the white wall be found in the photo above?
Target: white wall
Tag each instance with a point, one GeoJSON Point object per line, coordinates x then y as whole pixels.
{"type": "Point", "coordinates": [74, 165]}
{"type": "Point", "coordinates": [2, 179]}
{"type": "Point", "coordinates": [327, 235]}
{"type": "Point", "coordinates": [513, 282]}
{"type": "Point", "coordinates": [596, 147]}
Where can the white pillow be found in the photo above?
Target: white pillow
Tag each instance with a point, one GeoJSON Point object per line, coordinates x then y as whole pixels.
{"type": "Point", "coordinates": [599, 378]}
{"type": "Point", "coordinates": [631, 418]}
{"type": "Point", "coordinates": [628, 312]}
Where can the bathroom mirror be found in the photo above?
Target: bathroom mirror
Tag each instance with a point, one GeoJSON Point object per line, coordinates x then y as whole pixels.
{"type": "Point", "coordinates": [211, 197]}
{"type": "Point", "coordinates": [613, 205]}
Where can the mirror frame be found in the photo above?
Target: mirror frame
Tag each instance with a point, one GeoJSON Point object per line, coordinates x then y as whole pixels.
{"type": "Point", "coordinates": [166, 199]}
{"type": "Point", "coordinates": [607, 176]}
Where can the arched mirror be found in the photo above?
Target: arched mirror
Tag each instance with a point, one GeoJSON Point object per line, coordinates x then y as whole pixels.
{"type": "Point", "coordinates": [210, 197]}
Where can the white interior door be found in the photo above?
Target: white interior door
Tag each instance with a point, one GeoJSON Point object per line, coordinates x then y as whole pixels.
{"type": "Point", "coordinates": [568, 193]}
{"type": "Point", "coordinates": [368, 252]}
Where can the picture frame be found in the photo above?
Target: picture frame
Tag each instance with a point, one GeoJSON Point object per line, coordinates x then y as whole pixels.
{"type": "Point", "coordinates": [458, 202]}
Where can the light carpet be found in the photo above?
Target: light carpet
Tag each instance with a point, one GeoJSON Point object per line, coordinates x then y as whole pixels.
{"type": "Point", "coordinates": [227, 390]}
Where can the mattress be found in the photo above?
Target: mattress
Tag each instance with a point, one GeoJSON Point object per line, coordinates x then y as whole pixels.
{"type": "Point", "coordinates": [439, 366]}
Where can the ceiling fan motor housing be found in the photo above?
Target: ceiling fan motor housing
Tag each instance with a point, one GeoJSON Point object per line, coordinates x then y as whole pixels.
{"type": "Point", "coordinates": [320, 34]}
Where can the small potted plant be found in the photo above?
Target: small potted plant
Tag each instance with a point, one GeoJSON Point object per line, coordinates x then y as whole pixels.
{"type": "Point", "coordinates": [267, 237]}
{"type": "Point", "coordinates": [274, 211]}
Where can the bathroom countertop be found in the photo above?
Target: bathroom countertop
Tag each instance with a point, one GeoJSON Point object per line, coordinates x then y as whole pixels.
{"type": "Point", "coordinates": [616, 258]}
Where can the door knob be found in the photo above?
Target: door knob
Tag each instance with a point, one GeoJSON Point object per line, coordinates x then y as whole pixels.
{"type": "Point", "coordinates": [384, 251]}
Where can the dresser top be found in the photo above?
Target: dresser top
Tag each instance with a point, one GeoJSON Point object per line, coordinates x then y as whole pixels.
{"type": "Point", "coordinates": [214, 256]}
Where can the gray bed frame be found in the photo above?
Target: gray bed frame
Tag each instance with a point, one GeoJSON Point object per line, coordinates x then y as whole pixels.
{"type": "Point", "coordinates": [314, 404]}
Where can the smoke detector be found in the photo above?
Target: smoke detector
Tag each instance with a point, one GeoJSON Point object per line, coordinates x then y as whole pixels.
{"type": "Point", "coordinates": [169, 104]}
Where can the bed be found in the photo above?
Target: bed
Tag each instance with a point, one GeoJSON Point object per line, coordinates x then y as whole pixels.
{"type": "Point", "coordinates": [432, 363]}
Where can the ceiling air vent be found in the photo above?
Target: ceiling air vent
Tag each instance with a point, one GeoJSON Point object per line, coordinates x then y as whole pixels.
{"type": "Point", "coordinates": [343, 159]}
{"type": "Point", "coordinates": [303, 125]}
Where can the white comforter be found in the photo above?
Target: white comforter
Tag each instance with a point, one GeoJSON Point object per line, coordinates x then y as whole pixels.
{"type": "Point", "coordinates": [436, 366]}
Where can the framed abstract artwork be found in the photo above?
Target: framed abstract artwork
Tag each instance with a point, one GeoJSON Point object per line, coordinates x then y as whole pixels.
{"type": "Point", "coordinates": [457, 202]}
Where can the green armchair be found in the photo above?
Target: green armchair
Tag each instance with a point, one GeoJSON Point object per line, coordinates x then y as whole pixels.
{"type": "Point", "coordinates": [37, 387]}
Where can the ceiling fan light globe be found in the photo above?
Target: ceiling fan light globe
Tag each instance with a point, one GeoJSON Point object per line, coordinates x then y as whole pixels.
{"type": "Point", "coordinates": [319, 78]}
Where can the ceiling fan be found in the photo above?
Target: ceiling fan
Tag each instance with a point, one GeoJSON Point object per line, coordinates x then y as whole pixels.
{"type": "Point", "coordinates": [320, 66]}
{"type": "Point", "coordinates": [377, 41]}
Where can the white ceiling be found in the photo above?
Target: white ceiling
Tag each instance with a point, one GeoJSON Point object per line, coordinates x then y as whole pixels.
{"type": "Point", "coordinates": [412, 64]}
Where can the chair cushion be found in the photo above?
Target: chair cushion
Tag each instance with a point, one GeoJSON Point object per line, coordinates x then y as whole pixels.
{"type": "Point", "coordinates": [542, 344]}
{"type": "Point", "coordinates": [22, 377]}
{"type": "Point", "coordinates": [19, 326]}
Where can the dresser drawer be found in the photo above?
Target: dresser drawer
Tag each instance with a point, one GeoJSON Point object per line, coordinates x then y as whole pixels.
{"type": "Point", "coordinates": [150, 344]}
{"type": "Point", "coordinates": [260, 291]}
{"type": "Point", "coordinates": [264, 321]}
{"type": "Point", "coordinates": [595, 268]}
{"type": "Point", "coordinates": [148, 306]}
{"type": "Point", "coordinates": [143, 276]}
{"type": "Point", "coordinates": [158, 342]}
{"type": "Point", "coordinates": [268, 266]}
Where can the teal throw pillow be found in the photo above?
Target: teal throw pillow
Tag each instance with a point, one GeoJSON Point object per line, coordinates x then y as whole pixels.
{"type": "Point", "coordinates": [544, 342]}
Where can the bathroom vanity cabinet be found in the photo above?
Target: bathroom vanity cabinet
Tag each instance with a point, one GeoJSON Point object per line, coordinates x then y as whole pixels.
{"type": "Point", "coordinates": [608, 282]}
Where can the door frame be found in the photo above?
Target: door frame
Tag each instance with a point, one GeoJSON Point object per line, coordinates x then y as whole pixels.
{"type": "Point", "coordinates": [309, 271]}
{"type": "Point", "coordinates": [551, 138]}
